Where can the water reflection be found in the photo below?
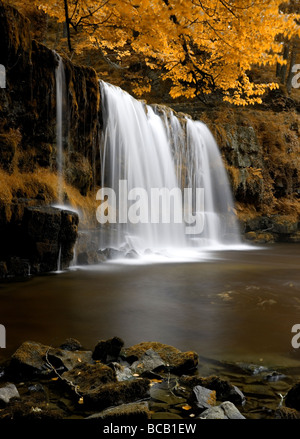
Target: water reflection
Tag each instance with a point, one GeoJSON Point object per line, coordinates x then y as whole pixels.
{"type": "Point", "coordinates": [234, 305]}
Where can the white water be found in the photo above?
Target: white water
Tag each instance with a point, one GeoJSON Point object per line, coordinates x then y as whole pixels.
{"type": "Point", "coordinates": [151, 148]}
{"type": "Point", "coordinates": [60, 96]}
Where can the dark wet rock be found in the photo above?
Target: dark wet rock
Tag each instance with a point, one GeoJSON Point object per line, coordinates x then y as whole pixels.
{"type": "Point", "coordinates": [37, 392]}
{"type": "Point", "coordinates": [294, 238]}
{"type": "Point", "coordinates": [123, 373]}
{"type": "Point", "coordinates": [30, 359]}
{"type": "Point", "coordinates": [131, 254]}
{"type": "Point", "coordinates": [28, 410]}
{"type": "Point", "coordinates": [71, 344]}
{"type": "Point", "coordinates": [274, 376]}
{"type": "Point", "coordinates": [97, 385]}
{"type": "Point", "coordinates": [3, 270]}
{"type": "Point", "coordinates": [17, 267]}
{"type": "Point", "coordinates": [2, 372]}
{"type": "Point", "coordinates": [67, 359]}
{"type": "Point", "coordinates": [49, 230]}
{"type": "Point", "coordinates": [156, 406]}
{"type": "Point", "coordinates": [202, 398]}
{"type": "Point", "coordinates": [283, 226]}
{"type": "Point", "coordinates": [111, 253]}
{"type": "Point", "coordinates": [176, 361]}
{"type": "Point", "coordinates": [260, 237]}
{"type": "Point", "coordinates": [292, 399]}
{"type": "Point", "coordinates": [108, 350]}
{"type": "Point", "coordinates": [286, 413]}
{"type": "Point", "coordinates": [89, 377]}
{"type": "Point", "coordinates": [226, 410]}
{"type": "Point", "coordinates": [36, 388]}
{"type": "Point", "coordinates": [33, 237]}
{"type": "Point", "coordinates": [134, 411]}
{"type": "Point", "coordinates": [68, 235]}
{"type": "Point", "coordinates": [164, 393]}
{"type": "Point", "coordinates": [166, 415]}
{"type": "Point", "coordinates": [83, 258]}
{"type": "Point", "coordinates": [120, 393]}
{"type": "Point", "coordinates": [87, 246]}
{"type": "Point", "coordinates": [149, 362]}
{"type": "Point", "coordinates": [225, 391]}
{"type": "Point", "coordinates": [28, 144]}
{"type": "Point", "coordinates": [252, 369]}
{"type": "Point", "coordinates": [8, 392]}
{"type": "Point", "coordinates": [33, 358]}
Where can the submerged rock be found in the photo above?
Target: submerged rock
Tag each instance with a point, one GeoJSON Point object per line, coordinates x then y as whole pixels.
{"type": "Point", "coordinates": [252, 369]}
{"type": "Point", "coordinates": [175, 361]}
{"type": "Point", "coordinates": [226, 410]}
{"type": "Point", "coordinates": [164, 392]}
{"type": "Point", "coordinates": [8, 392]}
{"type": "Point", "coordinates": [287, 413]}
{"type": "Point", "coordinates": [225, 391]}
{"type": "Point", "coordinates": [134, 411]}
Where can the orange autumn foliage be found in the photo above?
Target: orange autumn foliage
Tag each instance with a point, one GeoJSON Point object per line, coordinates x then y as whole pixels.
{"type": "Point", "coordinates": [199, 45]}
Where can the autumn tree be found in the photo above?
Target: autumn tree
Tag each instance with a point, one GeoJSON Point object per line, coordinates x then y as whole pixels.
{"type": "Point", "coordinates": [290, 47]}
{"type": "Point", "coordinates": [199, 45]}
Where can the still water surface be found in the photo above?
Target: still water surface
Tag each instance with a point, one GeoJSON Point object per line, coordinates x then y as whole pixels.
{"type": "Point", "coordinates": [232, 305]}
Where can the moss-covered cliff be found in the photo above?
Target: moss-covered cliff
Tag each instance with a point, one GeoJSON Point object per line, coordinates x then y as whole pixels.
{"type": "Point", "coordinates": [260, 149]}
{"type": "Point", "coordinates": [28, 166]}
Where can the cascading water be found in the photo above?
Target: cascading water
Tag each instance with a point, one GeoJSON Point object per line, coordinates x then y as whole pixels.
{"type": "Point", "coordinates": [149, 150]}
{"type": "Point", "coordinates": [60, 82]}
{"type": "Point", "coordinates": [60, 97]}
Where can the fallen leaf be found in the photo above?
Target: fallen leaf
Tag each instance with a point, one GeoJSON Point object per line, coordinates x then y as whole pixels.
{"type": "Point", "coordinates": [186, 407]}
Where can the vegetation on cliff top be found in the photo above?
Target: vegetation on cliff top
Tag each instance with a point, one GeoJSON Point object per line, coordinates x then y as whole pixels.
{"type": "Point", "coordinates": [200, 47]}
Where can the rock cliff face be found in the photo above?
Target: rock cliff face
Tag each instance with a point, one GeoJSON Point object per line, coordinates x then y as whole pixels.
{"type": "Point", "coordinates": [260, 150]}
{"type": "Point", "coordinates": [28, 106]}
{"type": "Point", "coordinates": [31, 233]}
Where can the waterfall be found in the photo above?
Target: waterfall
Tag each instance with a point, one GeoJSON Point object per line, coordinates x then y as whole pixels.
{"type": "Point", "coordinates": [59, 260]}
{"type": "Point", "coordinates": [60, 82]}
{"type": "Point", "coordinates": [60, 97]}
{"type": "Point", "coordinates": [148, 150]}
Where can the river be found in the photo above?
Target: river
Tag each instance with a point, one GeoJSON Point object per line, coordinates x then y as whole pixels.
{"type": "Point", "coordinates": [229, 306]}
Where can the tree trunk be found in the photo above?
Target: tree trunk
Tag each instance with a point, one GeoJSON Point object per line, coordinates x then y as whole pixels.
{"type": "Point", "coordinates": [293, 60]}
{"type": "Point", "coordinates": [68, 25]}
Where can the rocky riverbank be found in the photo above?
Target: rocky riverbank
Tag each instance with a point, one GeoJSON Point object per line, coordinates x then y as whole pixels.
{"type": "Point", "coordinates": [149, 380]}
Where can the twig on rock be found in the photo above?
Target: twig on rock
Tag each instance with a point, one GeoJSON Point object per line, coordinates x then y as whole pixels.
{"type": "Point", "coordinates": [70, 383]}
